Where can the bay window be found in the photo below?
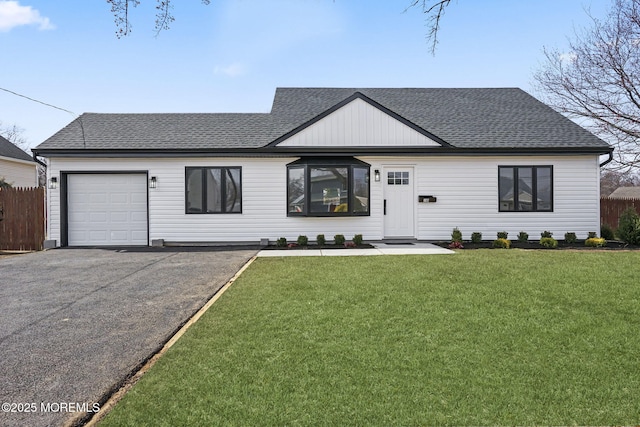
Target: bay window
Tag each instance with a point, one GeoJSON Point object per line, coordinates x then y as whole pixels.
{"type": "Point", "coordinates": [328, 187]}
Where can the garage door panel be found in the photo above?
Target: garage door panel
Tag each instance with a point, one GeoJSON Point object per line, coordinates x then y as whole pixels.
{"type": "Point", "coordinates": [107, 209]}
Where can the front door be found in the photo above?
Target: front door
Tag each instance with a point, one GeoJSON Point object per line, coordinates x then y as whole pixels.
{"type": "Point", "coordinates": [398, 203]}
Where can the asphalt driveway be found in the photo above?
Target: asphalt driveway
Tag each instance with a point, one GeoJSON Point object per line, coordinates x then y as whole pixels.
{"type": "Point", "coordinates": [74, 323]}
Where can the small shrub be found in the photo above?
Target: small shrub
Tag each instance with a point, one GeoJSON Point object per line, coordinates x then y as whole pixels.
{"type": "Point", "coordinates": [303, 240]}
{"type": "Point", "coordinates": [456, 245]}
{"type": "Point", "coordinates": [339, 239]}
{"type": "Point", "coordinates": [501, 243]}
{"type": "Point", "coordinates": [592, 235]}
{"type": "Point", "coordinates": [523, 237]}
{"type": "Point", "coordinates": [606, 232]}
{"type": "Point", "coordinates": [570, 237]}
{"type": "Point", "coordinates": [349, 245]}
{"type": "Point", "coordinates": [292, 245]}
{"type": "Point", "coordinates": [357, 239]}
{"type": "Point", "coordinates": [320, 239]}
{"type": "Point", "coordinates": [546, 234]}
{"type": "Point", "coordinates": [502, 235]}
{"type": "Point", "coordinates": [595, 242]}
{"type": "Point", "coordinates": [456, 235]}
{"type": "Point", "coordinates": [281, 242]}
{"type": "Point", "coordinates": [549, 242]}
{"type": "Point", "coordinates": [476, 237]}
{"type": "Point", "coordinates": [629, 227]}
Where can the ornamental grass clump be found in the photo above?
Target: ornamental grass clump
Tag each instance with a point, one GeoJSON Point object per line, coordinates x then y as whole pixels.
{"type": "Point", "coordinates": [595, 242]}
{"type": "Point", "coordinates": [501, 243]}
{"type": "Point", "coordinates": [549, 242]}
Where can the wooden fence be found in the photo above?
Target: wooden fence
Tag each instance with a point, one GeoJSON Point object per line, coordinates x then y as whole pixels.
{"type": "Point", "coordinates": [22, 219]}
{"type": "Point", "coordinates": [611, 209]}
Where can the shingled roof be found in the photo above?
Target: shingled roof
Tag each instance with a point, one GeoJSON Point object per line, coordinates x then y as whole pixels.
{"type": "Point", "coordinates": [7, 149]}
{"type": "Point", "coordinates": [466, 119]}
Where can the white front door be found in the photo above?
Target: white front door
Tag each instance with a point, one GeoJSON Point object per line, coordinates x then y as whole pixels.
{"type": "Point", "coordinates": [399, 202]}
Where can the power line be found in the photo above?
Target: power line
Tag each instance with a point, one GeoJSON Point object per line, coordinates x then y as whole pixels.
{"type": "Point", "coordinates": [84, 139]}
{"type": "Point", "coordinates": [39, 102]}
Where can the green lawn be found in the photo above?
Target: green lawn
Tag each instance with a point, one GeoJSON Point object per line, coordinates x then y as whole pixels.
{"type": "Point", "coordinates": [482, 337]}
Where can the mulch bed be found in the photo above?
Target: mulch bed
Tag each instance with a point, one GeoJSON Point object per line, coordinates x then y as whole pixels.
{"type": "Point", "coordinates": [532, 244]}
{"type": "Point", "coordinates": [311, 247]}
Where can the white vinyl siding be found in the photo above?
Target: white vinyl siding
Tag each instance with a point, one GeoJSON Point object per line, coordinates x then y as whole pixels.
{"type": "Point", "coordinates": [358, 124]}
{"type": "Point", "coordinates": [466, 189]}
{"type": "Point", "coordinates": [19, 173]}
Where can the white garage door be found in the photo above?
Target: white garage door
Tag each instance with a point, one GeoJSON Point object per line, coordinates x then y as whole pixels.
{"type": "Point", "coordinates": [107, 209]}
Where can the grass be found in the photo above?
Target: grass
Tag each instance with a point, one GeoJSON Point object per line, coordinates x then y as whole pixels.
{"type": "Point", "coordinates": [483, 337]}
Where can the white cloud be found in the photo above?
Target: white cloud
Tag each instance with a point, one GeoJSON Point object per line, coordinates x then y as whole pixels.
{"type": "Point", "coordinates": [232, 70]}
{"type": "Point", "coordinates": [12, 15]}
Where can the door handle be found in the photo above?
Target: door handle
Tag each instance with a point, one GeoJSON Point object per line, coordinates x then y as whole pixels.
{"type": "Point", "coordinates": [384, 207]}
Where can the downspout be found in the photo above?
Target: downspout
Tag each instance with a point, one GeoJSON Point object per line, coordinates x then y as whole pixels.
{"type": "Point", "coordinates": [606, 162]}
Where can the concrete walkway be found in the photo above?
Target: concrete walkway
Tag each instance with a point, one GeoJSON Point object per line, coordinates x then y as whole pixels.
{"type": "Point", "coordinates": [378, 249]}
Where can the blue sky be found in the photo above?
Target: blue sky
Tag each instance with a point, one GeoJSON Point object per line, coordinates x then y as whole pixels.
{"type": "Point", "coordinates": [230, 56]}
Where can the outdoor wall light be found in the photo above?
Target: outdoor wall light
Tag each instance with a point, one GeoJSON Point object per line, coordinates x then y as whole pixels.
{"type": "Point", "coordinates": [376, 175]}
{"type": "Point", "coordinates": [53, 182]}
{"type": "Point", "coordinates": [153, 182]}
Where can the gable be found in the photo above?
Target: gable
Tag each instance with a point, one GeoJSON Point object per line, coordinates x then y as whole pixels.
{"type": "Point", "coordinates": [358, 123]}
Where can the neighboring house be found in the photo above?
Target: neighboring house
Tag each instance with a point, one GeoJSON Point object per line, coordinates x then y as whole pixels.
{"type": "Point", "coordinates": [384, 163]}
{"type": "Point", "coordinates": [625, 193]}
{"type": "Point", "coordinates": [17, 167]}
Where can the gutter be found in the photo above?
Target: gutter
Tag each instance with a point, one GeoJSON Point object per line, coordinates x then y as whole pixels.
{"type": "Point", "coordinates": [606, 162]}
{"type": "Point", "coordinates": [38, 161]}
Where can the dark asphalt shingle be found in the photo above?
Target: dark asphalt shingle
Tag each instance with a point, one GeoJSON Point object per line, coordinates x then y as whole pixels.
{"type": "Point", "coordinates": [7, 149]}
{"type": "Point", "coordinates": [500, 118]}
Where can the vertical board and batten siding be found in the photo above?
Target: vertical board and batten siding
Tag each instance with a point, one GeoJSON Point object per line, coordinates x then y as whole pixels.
{"type": "Point", "coordinates": [358, 124]}
{"type": "Point", "coordinates": [466, 189]}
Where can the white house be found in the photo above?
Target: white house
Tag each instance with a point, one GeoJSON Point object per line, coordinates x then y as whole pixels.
{"type": "Point", "coordinates": [17, 167]}
{"type": "Point", "coordinates": [384, 163]}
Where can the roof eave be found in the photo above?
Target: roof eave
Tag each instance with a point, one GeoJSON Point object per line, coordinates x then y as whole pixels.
{"type": "Point", "coordinates": [271, 151]}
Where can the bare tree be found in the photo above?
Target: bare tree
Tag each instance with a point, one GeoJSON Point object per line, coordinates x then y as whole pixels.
{"type": "Point", "coordinates": [14, 134]}
{"type": "Point", "coordinates": [121, 8]}
{"type": "Point", "coordinates": [434, 11]}
{"type": "Point", "coordinates": [598, 80]}
{"type": "Point", "coordinates": [612, 179]}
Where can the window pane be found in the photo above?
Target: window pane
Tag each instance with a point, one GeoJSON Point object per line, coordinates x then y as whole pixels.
{"type": "Point", "coordinates": [525, 189]}
{"type": "Point", "coordinates": [296, 190]}
{"type": "Point", "coordinates": [233, 190]}
{"type": "Point", "coordinates": [390, 178]}
{"type": "Point", "coordinates": [214, 190]}
{"type": "Point", "coordinates": [194, 190]}
{"type": "Point", "coordinates": [329, 190]}
{"type": "Point", "coordinates": [360, 190]}
{"type": "Point", "coordinates": [544, 184]}
{"type": "Point", "coordinates": [506, 189]}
